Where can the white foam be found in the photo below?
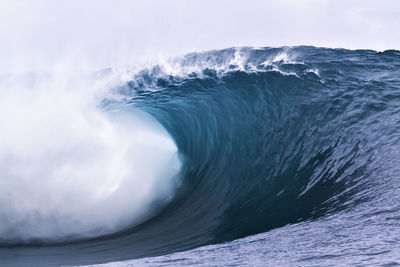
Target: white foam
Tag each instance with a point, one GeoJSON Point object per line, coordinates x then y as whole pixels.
{"type": "Point", "coordinates": [313, 70]}
{"type": "Point", "coordinates": [68, 169]}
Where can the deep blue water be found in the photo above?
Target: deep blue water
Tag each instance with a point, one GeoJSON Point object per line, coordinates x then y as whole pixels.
{"type": "Point", "coordinates": [291, 156]}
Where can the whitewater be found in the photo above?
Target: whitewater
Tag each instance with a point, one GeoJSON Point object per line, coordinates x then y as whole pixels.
{"type": "Point", "coordinates": [250, 155]}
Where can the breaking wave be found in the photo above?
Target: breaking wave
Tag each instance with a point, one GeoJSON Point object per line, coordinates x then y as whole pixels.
{"type": "Point", "coordinates": [196, 150]}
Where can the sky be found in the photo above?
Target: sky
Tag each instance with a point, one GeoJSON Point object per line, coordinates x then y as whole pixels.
{"type": "Point", "coordinates": [93, 34]}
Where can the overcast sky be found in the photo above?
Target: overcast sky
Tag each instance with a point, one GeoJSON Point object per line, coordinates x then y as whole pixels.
{"type": "Point", "coordinates": [97, 33]}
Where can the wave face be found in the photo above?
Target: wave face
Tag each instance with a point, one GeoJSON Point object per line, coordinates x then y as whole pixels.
{"type": "Point", "coordinates": [266, 136]}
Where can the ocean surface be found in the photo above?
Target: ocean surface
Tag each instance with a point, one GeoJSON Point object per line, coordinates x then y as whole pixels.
{"type": "Point", "coordinates": [287, 157]}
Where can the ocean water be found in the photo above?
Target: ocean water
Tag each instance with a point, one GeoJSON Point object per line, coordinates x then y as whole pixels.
{"type": "Point", "coordinates": [257, 156]}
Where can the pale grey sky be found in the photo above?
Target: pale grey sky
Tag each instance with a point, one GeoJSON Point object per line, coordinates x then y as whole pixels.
{"type": "Point", "coordinates": [42, 34]}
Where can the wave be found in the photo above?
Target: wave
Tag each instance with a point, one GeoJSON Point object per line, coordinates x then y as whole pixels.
{"type": "Point", "coordinates": [266, 137]}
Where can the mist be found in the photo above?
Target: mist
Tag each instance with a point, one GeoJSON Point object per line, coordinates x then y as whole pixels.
{"type": "Point", "coordinates": [70, 169]}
